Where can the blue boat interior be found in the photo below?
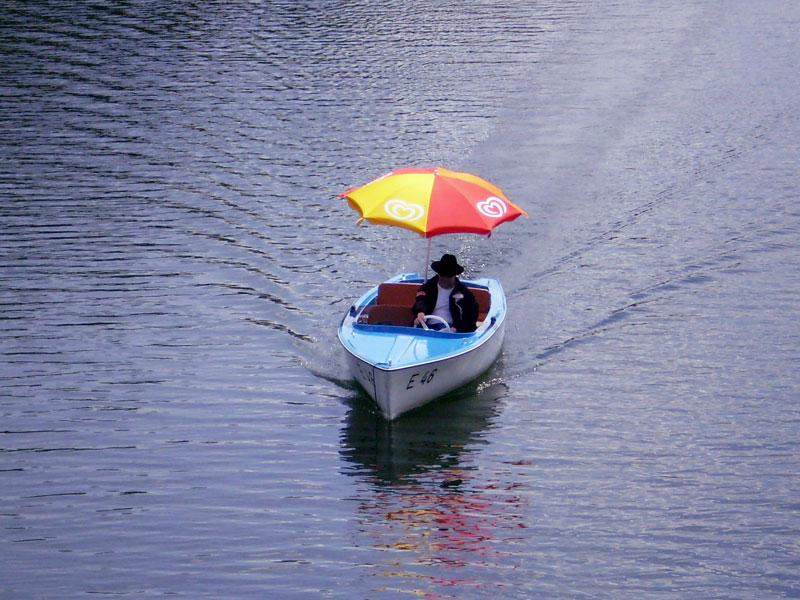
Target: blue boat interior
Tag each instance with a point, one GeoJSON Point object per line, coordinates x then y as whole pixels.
{"type": "Point", "coordinates": [378, 328]}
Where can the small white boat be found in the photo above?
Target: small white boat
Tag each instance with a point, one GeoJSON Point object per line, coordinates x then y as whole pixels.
{"type": "Point", "coordinates": [403, 367]}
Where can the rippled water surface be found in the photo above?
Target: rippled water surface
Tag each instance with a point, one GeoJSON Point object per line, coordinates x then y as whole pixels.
{"type": "Point", "coordinates": [176, 418]}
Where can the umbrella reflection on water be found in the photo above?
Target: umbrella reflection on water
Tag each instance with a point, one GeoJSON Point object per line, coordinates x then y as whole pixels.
{"type": "Point", "coordinates": [426, 503]}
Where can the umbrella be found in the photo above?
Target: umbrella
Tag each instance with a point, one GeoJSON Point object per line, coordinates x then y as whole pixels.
{"type": "Point", "coordinates": [433, 201]}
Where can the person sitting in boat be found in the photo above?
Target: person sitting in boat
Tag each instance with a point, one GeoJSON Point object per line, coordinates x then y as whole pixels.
{"type": "Point", "coordinates": [445, 296]}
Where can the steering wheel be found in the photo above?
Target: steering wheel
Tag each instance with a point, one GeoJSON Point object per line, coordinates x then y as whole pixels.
{"type": "Point", "coordinates": [435, 319]}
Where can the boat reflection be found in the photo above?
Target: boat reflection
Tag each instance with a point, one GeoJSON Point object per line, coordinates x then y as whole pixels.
{"type": "Point", "coordinates": [425, 508]}
{"type": "Point", "coordinates": [434, 436]}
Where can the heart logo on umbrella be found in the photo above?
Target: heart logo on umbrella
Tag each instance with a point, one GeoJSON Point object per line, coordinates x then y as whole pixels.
{"type": "Point", "coordinates": [402, 210]}
{"type": "Point", "coordinates": [493, 207]}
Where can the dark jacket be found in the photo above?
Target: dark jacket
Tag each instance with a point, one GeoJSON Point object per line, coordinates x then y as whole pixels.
{"type": "Point", "coordinates": [463, 305]}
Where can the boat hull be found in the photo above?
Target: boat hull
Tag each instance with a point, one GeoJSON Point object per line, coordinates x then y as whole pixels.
{"type": "Point", "coordinates": [400, 390]}
{"type": "Point", "coordinates": [403, 368]}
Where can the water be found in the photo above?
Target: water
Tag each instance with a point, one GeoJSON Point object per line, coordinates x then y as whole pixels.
{"type": "Point", "coordinates": [175, 414]}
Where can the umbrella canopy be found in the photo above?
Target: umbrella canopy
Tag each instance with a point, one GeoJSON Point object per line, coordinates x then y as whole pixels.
{"type": "Point", "coordinates": [433, 201]}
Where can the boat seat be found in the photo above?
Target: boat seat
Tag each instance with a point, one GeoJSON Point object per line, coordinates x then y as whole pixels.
{"type": "Point", "coordinates": [400, 294]}
{"type": "Point", "coordinates": [484, 299]}
{"type": "Point", "coordinates": [404, 295]}
{"type": "Point", "coordinates": [389, 314]}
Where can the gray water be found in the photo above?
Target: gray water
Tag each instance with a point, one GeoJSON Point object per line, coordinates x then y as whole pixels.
{"type": "Point", "coordinates": [176, 419]}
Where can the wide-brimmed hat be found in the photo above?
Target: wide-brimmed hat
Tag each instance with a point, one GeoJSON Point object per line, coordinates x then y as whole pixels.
{"type": "Point", "coordinates": [447, 266]}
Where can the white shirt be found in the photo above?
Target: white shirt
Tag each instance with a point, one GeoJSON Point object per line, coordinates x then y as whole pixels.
{"type": "Point", "coordinates": [443, 304]}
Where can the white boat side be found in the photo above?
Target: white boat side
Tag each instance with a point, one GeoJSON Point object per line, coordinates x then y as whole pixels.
{"type": "Point", "coordinates": [403, 368]}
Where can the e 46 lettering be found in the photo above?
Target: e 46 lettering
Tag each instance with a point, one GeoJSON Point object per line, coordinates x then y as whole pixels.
{"type": "Point", "coordinates": [367, 374]}
{"type": "Point", "coordinates": [417, 379]}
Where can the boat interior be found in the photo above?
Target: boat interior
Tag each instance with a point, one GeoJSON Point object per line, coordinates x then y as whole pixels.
{"type": "Point", "coordinates": [394, 302]}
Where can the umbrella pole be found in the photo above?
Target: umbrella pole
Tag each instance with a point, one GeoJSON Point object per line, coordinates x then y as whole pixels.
{"type": "Point", "coordinates": [428, 258]}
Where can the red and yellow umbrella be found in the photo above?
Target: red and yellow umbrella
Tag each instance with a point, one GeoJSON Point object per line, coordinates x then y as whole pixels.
{"type": "Point", "coordinates": [433, 201]}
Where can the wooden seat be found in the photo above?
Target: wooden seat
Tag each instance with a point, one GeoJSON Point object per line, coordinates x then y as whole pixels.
{"type": "Point", "coordinates": [400, 294]}
{"type": "Point", "coordinates": [403, 295]}
{"type": "Point", "coordinates": [390, 314]}
{"type": "Point", "coordinates": [484, 299]}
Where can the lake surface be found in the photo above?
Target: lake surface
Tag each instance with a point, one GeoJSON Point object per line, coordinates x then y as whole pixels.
{"type": "Point", "coordinates": [176, 418]}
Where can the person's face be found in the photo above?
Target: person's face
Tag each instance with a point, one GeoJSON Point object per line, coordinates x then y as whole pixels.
{"type": "Point", "coordinates": [447, 281]}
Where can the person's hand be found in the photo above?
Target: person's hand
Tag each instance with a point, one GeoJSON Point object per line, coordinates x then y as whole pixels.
{"type": "Point", "coordinates": [420, 319]}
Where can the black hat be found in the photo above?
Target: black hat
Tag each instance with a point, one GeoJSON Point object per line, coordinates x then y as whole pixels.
{"type": "Point", "coordinates": [447, 266]}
